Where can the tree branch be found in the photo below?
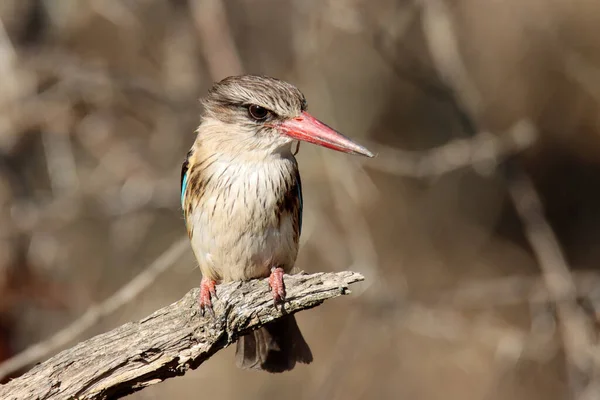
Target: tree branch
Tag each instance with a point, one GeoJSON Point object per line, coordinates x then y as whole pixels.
{"type": "Point", "coordinates": [170, 341]}
{"type": "Point", "coordinates": [130, 291]}
{"type": "Point", "coordinates": [577, 330]}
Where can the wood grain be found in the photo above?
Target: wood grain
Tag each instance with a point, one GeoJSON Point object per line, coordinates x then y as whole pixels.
{"type": "Point", "coordinates": [169, 342]}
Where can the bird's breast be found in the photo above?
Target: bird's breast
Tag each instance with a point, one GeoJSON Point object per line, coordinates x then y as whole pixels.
{"type": "Point", "coordinates": [239, 221]}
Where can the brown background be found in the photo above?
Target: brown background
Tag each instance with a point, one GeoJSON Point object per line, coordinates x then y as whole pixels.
{"type": "Point", "coordinates": [98, 104]}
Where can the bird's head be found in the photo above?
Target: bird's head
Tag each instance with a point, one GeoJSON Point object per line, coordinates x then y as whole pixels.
{"type": "Point", "coordinates": [264, 114]}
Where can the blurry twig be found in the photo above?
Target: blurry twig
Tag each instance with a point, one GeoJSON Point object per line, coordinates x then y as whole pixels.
{"type": "Point", "coordinates": [442, 42]}
{"type": "Point", "coordinates": [513, 290]}
{"type": "Point", "coordinates": [117, 12]}
{"type": "Point", "coordinates": [347, 195]}
{"type": "Point", "coordinates": [77, 74]}
{"type": "Point", "coordinates": [576, 331]}
{"type": "Point", "coordinates": [443, 46]}
{"type": "Point", "coordinates": [217, 41]}
{"type": "Point", "coordinates": [60, 162]}
{"type": "Point", "coordinates": [409, 69]}
{"type": "Point", "coordinates": [95, 313]}
{"type": "Point", "coordinates": [510, 344]}
{"type": "Point", "coordinates": [484, 150]}
{"type": "Point", "coordinates": [412, 70]}
{"type": "Point", "coordinates": [575, 328]}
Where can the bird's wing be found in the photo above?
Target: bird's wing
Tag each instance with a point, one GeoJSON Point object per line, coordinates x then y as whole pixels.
{"type": "Point", "coordinates": [184, 178]}
{"type": "Point", "coordinates": [299, 189]}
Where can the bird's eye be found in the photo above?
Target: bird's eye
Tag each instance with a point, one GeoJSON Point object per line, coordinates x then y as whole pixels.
{"type": "Point", "coordinates": [257, 112]}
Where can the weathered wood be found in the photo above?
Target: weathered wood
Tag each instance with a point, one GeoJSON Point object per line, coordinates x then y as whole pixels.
{"type": "Point", "coordinates": [170, 341]}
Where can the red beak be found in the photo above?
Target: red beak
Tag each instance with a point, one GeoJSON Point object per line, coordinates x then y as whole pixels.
{"type": "Point", "coordinates": [309, 129]}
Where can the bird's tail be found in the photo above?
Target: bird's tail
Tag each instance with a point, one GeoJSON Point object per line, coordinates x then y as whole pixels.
{"type": "Point", "coordinates": [276, 347]}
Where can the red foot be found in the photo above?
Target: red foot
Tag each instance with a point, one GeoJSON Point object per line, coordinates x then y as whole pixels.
{"type": "Point", "coordinates": [207, 291]}
{"type": "Point", "coordinates": [277, 285]}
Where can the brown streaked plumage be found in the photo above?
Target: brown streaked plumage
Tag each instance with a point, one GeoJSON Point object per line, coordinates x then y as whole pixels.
{"type": "Point", "coordinates": [242, 200]}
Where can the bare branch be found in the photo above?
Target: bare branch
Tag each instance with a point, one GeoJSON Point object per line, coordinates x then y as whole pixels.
{"type": "Point", "coordinates": [170, 341]}
{"type": "Point", "coordinates": [95, 313]}
{"type": "Point", "coordinates": [217, 40]}
{"type": "Point", "coordinates": [440, 32]}
{"type": "Point", "coordinates": [514, 290]}
{"type": "Point", "coordinates": [484, 150]}
{"type": "Point", "coordinates": [575, 328]}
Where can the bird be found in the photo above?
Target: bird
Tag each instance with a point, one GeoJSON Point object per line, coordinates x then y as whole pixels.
{"type": "Point", "coordinates": [241, 196]}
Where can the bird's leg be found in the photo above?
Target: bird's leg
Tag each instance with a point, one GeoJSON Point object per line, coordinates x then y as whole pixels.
{"type": "Point", "coordinates": [277, 285]}
{"type": "Point", "coordinates": [207, 291]}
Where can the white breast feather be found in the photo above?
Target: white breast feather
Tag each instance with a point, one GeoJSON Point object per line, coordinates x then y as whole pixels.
{"type": "Point", "coordinates": [240, 241]}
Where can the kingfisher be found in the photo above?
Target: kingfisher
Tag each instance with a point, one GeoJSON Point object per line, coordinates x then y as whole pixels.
{"type": "Point", "coordinates": [241, 196]}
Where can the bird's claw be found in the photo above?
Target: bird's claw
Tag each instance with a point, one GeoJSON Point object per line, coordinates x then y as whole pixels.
{"type": "Point", "coordinates": [277, 286]}
{"type": "Point", "coordinates": [207, 292]}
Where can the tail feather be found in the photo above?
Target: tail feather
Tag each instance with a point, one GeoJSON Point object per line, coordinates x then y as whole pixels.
{"type": "Point", "coordinates": [276, 347]}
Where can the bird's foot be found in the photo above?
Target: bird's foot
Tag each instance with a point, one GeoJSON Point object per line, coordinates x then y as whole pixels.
{"type": "Point", "coordinates": [277, 285]}
{"type": "Point", "coordinates": [207, 292]}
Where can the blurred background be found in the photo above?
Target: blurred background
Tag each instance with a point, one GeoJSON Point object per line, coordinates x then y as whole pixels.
{"type": "Point", "coordinates": [466, 288]}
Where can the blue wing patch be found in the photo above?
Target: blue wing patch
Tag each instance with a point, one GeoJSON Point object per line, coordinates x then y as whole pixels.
{"type": "Point", "coordinates": [299, 189]}
{"type": "Point", "coordinates": [183, 188]}
{"type": "Point", "coordinates": [184, 178]}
